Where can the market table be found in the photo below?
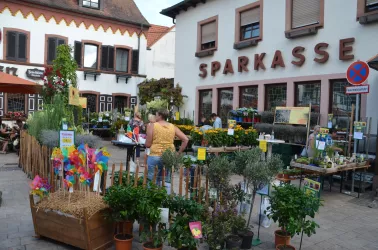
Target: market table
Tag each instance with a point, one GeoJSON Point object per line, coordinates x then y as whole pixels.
{"type": "Point", "coordinates": [270, 145]}
{"type": "Point", "coordinates": [330, 171]}
{"type": "Point", "coordinates": [130, 149]}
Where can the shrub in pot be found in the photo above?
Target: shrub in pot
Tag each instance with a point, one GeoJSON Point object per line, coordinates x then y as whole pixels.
{"type": "Point", "coordinates": [291, 207]}
{"type": "Point", "coordinates": [155, 238]}
{"type": "Point", "coordinates": [122, 210]}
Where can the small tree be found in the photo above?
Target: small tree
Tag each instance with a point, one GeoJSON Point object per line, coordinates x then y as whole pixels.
{"type": "Point", "coordinates": [219, 172]}
{"type": "Point", "coordinates": [260, 171]}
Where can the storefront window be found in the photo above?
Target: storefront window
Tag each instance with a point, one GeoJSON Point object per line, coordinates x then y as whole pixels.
{"type": "Point", "coordinates": [91, 102]}
{"type": "Point", "coordinates": [248, 97]}
{"type": "Point", "coordinates": [308, 93]}
{"type": "Point", "coordinates": [16, 102]}
{"type": "Point", "coordinates": [205, 104]}
{"type": "Point", "coordinates": [275, 96]}
{"type": "Point", "coordinates": [225, 97]}
{"type": "Point", "coordinates": [120, 103]}
{"type": "Point", "coordinates": [341, 103]}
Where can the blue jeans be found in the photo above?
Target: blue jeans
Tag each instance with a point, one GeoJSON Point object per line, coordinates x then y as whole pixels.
{"type": "Point", "coordinates": [155, 161]}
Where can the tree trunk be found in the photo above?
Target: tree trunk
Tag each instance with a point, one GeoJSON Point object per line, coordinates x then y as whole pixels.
{"type": "Point", "coordinates": [252, 202]}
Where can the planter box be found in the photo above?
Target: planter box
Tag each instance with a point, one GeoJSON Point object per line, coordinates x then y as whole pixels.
{"type": "Point", "coordinates": [94, 233]}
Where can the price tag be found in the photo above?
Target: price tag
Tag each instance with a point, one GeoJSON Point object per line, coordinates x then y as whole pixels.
{"type": "Point", "coordinates": [321, 145]}
{"type": "Point", "coordinates": [230, 131]}
{"type": "Point", "coordinates": [100, 119]}
{"type": "Point", "coordinates": [329, 124]}
{"type": "Point", "coordinates": [358, 135]}
{"type": "Point", "coordinates": [127, 118]}
{"type": "Point", "coordinates": [164, 215]}
{"type": "Point", "coordinates": [177, 116]}
{"type": "Point", "coordinates": [263, 145]}
{"type": "Point", "coordinates": [196, 229]}
{"type": "Point", "coordinates": [201, 154]}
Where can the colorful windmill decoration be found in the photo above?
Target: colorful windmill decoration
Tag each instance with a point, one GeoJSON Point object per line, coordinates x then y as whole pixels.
{"type": "Point", "coordinates": [70, 169]}
{"type": "Point", "coordinates": [69, 181]}
{"type": "Point", "coordinates": [86, 179]}
{"type": "Point", "coordinates": [57, 160]}
{"type": "Point", "coordinates": [40, 186]}
{"type": "Point", "coordinates": [101, 161]}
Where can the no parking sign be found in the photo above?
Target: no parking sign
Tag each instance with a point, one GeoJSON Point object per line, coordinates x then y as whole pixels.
{"type": "Point", "coordinates": [357, 73]}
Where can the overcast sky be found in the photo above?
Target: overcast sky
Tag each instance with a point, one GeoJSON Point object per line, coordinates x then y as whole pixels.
{"type": "Point", "coordinates": [151, 10]}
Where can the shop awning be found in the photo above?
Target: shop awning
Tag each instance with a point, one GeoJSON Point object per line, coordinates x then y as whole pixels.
{"type": "Point", "coordinates": [14, 84]}
{"type": "Point", "coordinates": [373, 62]}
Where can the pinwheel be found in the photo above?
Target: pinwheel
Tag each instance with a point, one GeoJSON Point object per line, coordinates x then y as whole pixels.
{"type": "Point", "coordinates": [86, 179]}
{"type": "Point", "coordinates": [57, 160]}
{"type": "Point", "coordinates": [40, 186]}
{"type": "Point", "coordinates": [69, 181]}
{"type": "Point", "coordinates": [70, 170]}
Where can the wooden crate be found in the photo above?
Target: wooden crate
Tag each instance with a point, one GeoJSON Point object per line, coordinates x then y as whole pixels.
{"type": "Point", "coordinates": [94, 233]}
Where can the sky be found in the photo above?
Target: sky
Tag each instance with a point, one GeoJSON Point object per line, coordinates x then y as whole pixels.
{"type": "Point", "coordinates": [151, 10]}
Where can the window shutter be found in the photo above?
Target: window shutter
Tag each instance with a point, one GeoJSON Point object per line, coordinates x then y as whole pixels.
{"type": "Point", "coordinates": [135, 62]}
{"type": "Point", "coordinates": [11, 45]}
{"type": "Point", "coordinates": [104, 57]}
{"type": "Point", "coordinates": [371, 2]}
{"type": "Point", "coordinates": [305, 12]}
{"type": "Point", "coordinates": [250, 16]}
{"type": "Point", "coordinates": [77, 53]}
{"type": "Point", "coordinates": [208, 32]}
{"type": "Point", "coordinates": [51, 51]}
{"type": "Point", "coordinates": [111, 58]}
{"type": "Point", "coordinates": [22, 50]}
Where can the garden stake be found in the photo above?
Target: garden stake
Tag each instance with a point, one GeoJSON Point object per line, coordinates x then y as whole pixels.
{"type": "Point", "coordinates": [136, 175]}
{"type": "Point", "coordinates": [113, 169]}
{"type": "Point", "coordinates": [128, 175]}
{"type": "Point", "coordinates": [195, 184]}
{"type": "Point", "coordinates": [180, 183]}
{"type": "Point", "coordinates": [163, 178]}
{"type": "Point", "coordinates": [199, 184]}
{"type": "Point", "coordinates": [155, 173]}
{"type": "Point", "coordinates": [121, 175]}
{"type": "Point", "coordinates": [207, 189]}
{"type": "Point", "coordinates": [187, 183]}
{"type": "Point", "coordinates": [172, 180]}
{"type": "Point", "coordinates": [145, 176]}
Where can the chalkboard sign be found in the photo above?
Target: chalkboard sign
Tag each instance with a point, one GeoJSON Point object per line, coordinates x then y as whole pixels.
{"type": "Point", "coordinates": [292, 115]}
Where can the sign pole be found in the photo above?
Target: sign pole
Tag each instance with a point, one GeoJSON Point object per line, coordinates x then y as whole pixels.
{"type": "Point", "coordinates": [356, 119]}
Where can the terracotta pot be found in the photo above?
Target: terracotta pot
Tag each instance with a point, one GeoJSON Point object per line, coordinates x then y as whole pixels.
{"type": "Point", "coordinates": [280, 238]}
{"type": "Point", "coordinates": [148, 247]}
{"type": "Point", "coordinates": [283, 247]}
{"type": "Point", "coordinates": [123, 241]}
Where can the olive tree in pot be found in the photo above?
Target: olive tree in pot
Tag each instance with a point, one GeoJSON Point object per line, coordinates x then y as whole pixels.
{"type": "Point", "coordinates": [122, 210]}
{"type": "Point", "coordinates": [291, 207]}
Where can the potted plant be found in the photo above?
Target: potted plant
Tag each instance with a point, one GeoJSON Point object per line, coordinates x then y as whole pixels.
{"type": "Point", "coordinates": [121, 201]}
{"type": "Point", "coordinates": [290, 207]}
{"type": "Point", "coordinates": [154, 238]}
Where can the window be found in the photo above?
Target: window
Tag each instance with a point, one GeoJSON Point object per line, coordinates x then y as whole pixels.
{"type": "Point", "coordinates": [122, 60]}
{"type": "Point", "coordinates": [205, 104]}
{"type": "Point", "coordinates": [341, 104]}
{"type": "Point", "coordinates": [120, 103]}
{"type": "Point", "coordinates": [17, 46]}
{"type": "Point", "coordinates": [90, 56]}
{"type": "Point", "coordinates": [107, 58]}
{"type": "Point", "coordinates": [208, 36]}
{"type": "Point", "coordinates": [91, 102]}
{"type": "Point", "coordinates": [248, 97]}
{"type": "Point", "coordinates": [16, 102]}
{"type": "Point", "coordinates": [52, 45]}
{"type": "Point", "coordinates": [305, 13]}
{"type": "Point", "coordinates": [225, 103]}
{"type": "Point", "coordinates": [306, 93]}
{"type": "Point", "coordinates": [250, 24]}
{"type": "Point", "coordinates": [275, 96]}
{"type": "Point", "coordinates": [371, 5]}
{"type": "Point", "coordinates": [94, 4]}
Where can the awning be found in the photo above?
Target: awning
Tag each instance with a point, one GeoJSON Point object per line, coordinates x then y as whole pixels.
{"type": "Point", "coordinates": [14, 84]}
{"type": "Point", "coordinates": [373, 62]}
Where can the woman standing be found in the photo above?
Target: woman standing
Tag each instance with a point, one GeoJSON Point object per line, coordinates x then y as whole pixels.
{"type": "Point", "coordinates": [312, 141]}
{"type": "Point", "coordinates": [159, 139]}
{"type": "Point", "coordinates": [137, 122]}
{"type": "Point", "coordinates": [152, 120]}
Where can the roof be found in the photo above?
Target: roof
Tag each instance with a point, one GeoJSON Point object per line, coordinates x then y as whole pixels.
{"type": "Point", "coordinates": [156, 32]}
{"type": "Point", "coordinates": [125, 11]}
{"type": "Point", "coordinates": [174, 10]}
{"type": "Point", "coordinates": [14, 84]}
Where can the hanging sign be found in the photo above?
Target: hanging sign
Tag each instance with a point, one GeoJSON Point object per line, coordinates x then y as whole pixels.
{"type": "Point", "coordinates": [177, 116]}
{"type": "Point", "coordinates": [201, 154]}
{"type": "Point", "coordinates": [35, 73]}
{"type": "Point", "coordinates": [358, 73]}
{"type": "Point", "coordinates": [66, 138]}
{"type": "Point", "coordinates": [263, 145]}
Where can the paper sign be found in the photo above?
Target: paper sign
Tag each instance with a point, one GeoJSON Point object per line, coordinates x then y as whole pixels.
{"type": "Point", "coordinates": [321, 145]}
{"type": "Point", "coordinates": [73, 96]}
{"type": "Point", "coordinates": [164, 215]}
{"type": "Point", "coordinates": [83, 102]}
{"type": "Point", "coordinates": [329, 124]}
{"type": "Point", "coordinates": [177, 116]}
{"type": "Point", "coordinates": [96, 181]}
{"type": "Point", "coordinates": [71, 190]}
{"type": "Point", "coordinates": [213, 194]}
{"type": "Point", "coordinates": [264, 190]}
{"type": "Point", "coordinates": [358, 135]}
{"type": "Point", "coordinates": [64, 126]}
{"type": "Point", "coordinates": [201, 154]}
{"type": "Point", "coordinates": [324, 131]}
{"type": "Point", "coordinates": [127, 118]}
{"type": "Point", "coordinates": [196, 229]}
{"type": "Point", "coordinates": [263, 145]}
{"type": "Point", "coordinates": [100, 119]}
{"type": "Point", "coordinates": [311, 187]}
{"type": "Point", "coordinates": [231, 124]}
{"type": "Point", "coordinates": [230, 131]}
{"type": "Point", "coordinates": [66, 139]}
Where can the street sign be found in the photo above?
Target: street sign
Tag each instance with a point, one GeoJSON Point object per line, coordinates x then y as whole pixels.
{"type": "Point", "coordinates": [357, 73]}
{"type": "Point", "coordinates": [362, 89]}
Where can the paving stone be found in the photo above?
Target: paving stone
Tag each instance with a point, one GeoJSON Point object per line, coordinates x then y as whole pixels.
{"type": "Point", "coordinates": [20, 234]}
{"type": "Point", "coordinates": [11, 242]}
{"type": "Point", "coordinates": [41, 245]}
{"type": "Point", "coordinates": [29, 240]}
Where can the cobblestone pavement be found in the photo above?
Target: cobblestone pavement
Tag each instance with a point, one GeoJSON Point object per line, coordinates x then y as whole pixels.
{"type": "Point", "coordinates": [345, 223]}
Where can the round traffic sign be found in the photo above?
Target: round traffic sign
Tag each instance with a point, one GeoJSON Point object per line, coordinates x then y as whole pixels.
{"type": "Point", "coordinates": [357, 73]}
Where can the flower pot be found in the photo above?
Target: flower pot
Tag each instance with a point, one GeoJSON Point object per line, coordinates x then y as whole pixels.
{"type": "Point", "coordinates": [283, 247]}
{"type": "Point", "coordinates": [150, 246]}
{"type": "Point", "coordinates": [233, 242]}
{"type": "Point", "coordinates": [247, 237]}
{"type": "Point", "coordinates": [123, 241]}
{"type": "Point", "coordinates": [281, 238]}
{"type": "Point", "coordinates": [249, 119]}
{"type": "Point", "coordinates": [245, 119]}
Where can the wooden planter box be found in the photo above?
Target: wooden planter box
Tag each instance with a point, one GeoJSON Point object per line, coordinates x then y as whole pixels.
{"type": "Point", "coordinates": [94, 233]}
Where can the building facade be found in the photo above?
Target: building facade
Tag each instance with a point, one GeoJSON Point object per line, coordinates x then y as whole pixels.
{"type": "Point", "coordinates": [160, 61]}
{"type": "Point", "coordinates": [108, 40]}
{"type": "Point", "coordinates": [269, 53]}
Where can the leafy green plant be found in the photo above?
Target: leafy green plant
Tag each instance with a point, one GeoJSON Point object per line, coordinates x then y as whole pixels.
{"type": "Point", "coordinates": [155, 238]}
{"type": "Point", "coordinates": [171, 159]}
{"type": "Point", "coordinates": [219, 172]}
{"type": "Point", "coordinates": [291, 207]}
{"type": "Point", "coordinates": [149, 201]}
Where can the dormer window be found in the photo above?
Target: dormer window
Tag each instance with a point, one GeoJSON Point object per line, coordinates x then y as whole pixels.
{"type": "Point", "coordinates": [94, 4]}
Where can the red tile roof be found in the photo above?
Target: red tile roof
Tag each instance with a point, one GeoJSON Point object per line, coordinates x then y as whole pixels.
{"type": "Point", "coordinates": [156, 32]}
{"type": "Point", "coordinates": [119, 10]}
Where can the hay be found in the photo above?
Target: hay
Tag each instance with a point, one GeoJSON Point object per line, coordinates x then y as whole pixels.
{"type": "Point", "coordinates": [79, 200]}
